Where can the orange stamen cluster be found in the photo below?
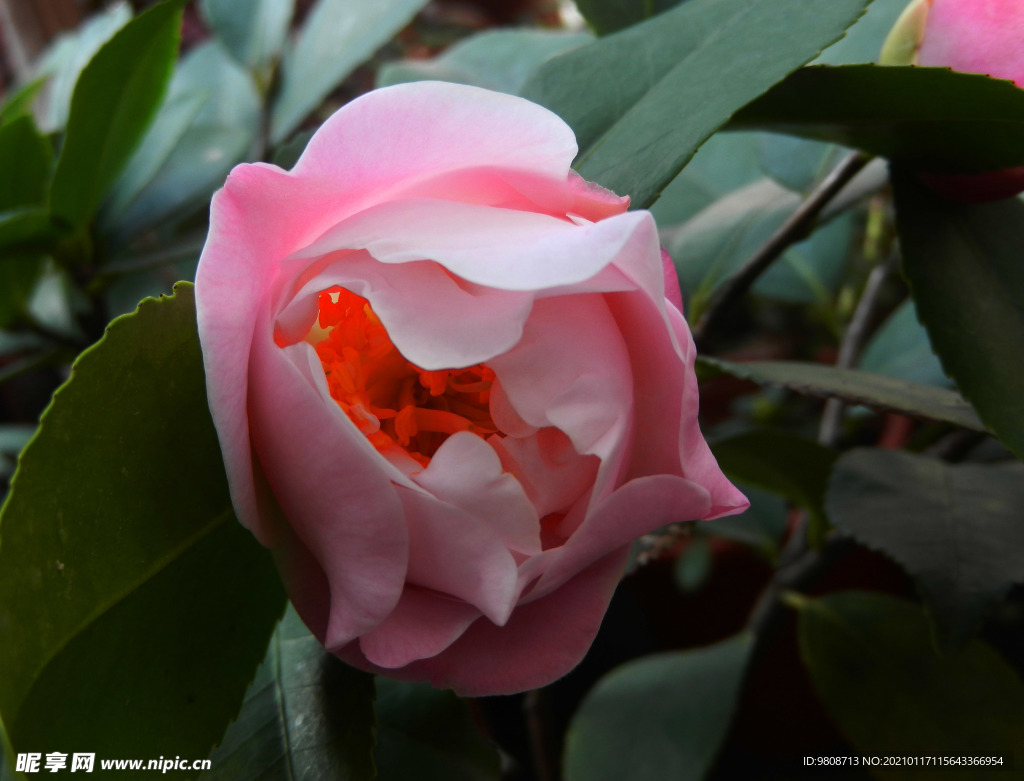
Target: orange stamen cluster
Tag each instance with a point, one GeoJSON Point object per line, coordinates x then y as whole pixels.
{"type": "Point", "coordinates": [392, 401]}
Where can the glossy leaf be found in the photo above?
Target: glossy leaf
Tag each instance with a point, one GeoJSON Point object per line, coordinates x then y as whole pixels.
{"type": "Point", "coordinates": [25, 164]}
{"type": "Point", "coordinates": [118, 543]}
{"type": "Point", "coordinates": [499, 60]}
{"type": "Point", "coordinates": [114, 100]}
{"type": "Point", "coordinates": [955, 528]}
{"type": "Point", "coordinates": [424, 733]}
{"type": "Point", "coordinates": [638, 120]}
{"type": "Point", "coordinates": [658, 717]}
{"type": "Point", "coordinates": [252, 30]}
{"type": "Point", "coordinates": [607, 16]}
{"type": "Point", "coordinates": [307, 716]}
{"type": "Point", "coordinates": [207, 124]}
{"type": "Point", "coordinates": [857, 387]}
{"type": "Point", "coordinates": [18, 103]}
{"type": "Point", "coordinates": [930, 118]}
{"type": "Point", "coordinates": [872, 662]}
{"type": "Point", "coordinates": [781, 462]}
{"type": "Point", "coordinates": [62, 63]}
{"type": "Point", "coordinates": [964, 268]}
{"type": "Point", "coordinates": [796, 163]}
{"type": "Point", "coordinates": [900, 349]}
{"type": "Point", "coordinates": [863, 41]}
{"type": "Point", "coordinates": [337, 36]}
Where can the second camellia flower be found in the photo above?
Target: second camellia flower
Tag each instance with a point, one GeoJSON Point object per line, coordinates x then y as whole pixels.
{"type": "Point", "coordinates": [448, 385]}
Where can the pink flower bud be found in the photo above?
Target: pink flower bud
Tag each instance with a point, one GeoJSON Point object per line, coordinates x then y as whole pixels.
{"type": "Point", "coordinates": [971, 36]}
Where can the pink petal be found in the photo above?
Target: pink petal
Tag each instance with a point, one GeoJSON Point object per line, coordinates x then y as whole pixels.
{"type": "Point", "coordinates": [592, 201]}
{"type": "Point", "coordinates": [502, 248]}
{"type": "Point", "coordinates": [542, 641]}
{"type": "Point", "coordinates": [976, 36]}
{"type": "Point", "coordinates": [422, 625]}
{"type": "Point", "coordinates": [454, 553]}
{"type": "Point", "coordinates": [465, 472]}
{"type": "Point", "coordinates": [333, 488]}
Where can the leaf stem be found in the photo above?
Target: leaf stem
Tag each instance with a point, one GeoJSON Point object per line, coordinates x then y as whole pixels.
{"type": "Point", "coordinates": [790, 232]}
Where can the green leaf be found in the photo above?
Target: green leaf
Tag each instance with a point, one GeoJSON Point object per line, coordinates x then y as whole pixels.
{"type": "Point", "coordinates": [900, 349]}
{"type": "Point", "coordinates": [129, 594]}
{"type": "Point", "coordinates": [762, 526]}
{"type": "Point", "coordinates": [659, 717]}
{"type": "Point", "coordinates": [175, 171]}
{"type": "Point", "coordinates": [252, 30]}
{"type": "Point", "coordinates": [19, 103]}
{"type": "Point", "coordinates": [608, 16]}
{"type": "Point", "coordinates": [114, 100]}
{"type": "Point", "coordinates": [781, 462]}
{"type": "Point", "coordinates": [27, 230]}
{"type": "Point", "coordinates": [931, 118]}
{"type": "Point", "coordinates": [18, 277]}
{"type": "Point", "coordinates": [13, 437]}
{"type": "Point", "coordinates": [692, 567]}
{"type": "Point", "coordinates": [62, 63]}
{"type": "Point", "coordinates": [955, 529]}
{"type": "Point", "coordinates": [857, 387]}
{"type": "Point", "coordinates": [965, 272]}
{"type": "Point", "coordinates": [715, 243]}
{"type": "Point", "coordinates": [863, 42]}
{"type": "Point", "coordinates": [871, 660]}
{"type": "Point", "coordinates": [26, 160]}
{"type": "Point", "coordinates": [499, 60]}
{"type": "Point", "coordinates": [429, 735]}
{"type": "Point", "coordinates": [338, 35]}
{"type": "Point", "coordinates": [795, 163]}
{"type": "Point", "coordinates": [307, 716]}
{"type": "Point", "coordinates": [638, 120]}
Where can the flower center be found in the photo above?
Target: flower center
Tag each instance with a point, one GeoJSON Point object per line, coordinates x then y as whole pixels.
{"type": "Point", "coordinates": [392, 401]}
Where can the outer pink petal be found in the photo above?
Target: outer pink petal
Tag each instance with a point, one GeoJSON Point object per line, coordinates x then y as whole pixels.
{"type": "Point", "coordinates": [466, 473]}
{"type": "Point", "coordinates": [542, 641]}
{"type": "Point", "coordinates": [672, 291]}
{"type": "Point", "coordinates": [391, 138]}
{"type": "Point", "coordinates": [592, 201]}
{"type": "Point", "coordinates": [636, 508]}
{"type": "Point", "coordinates": [331, 486]}
{"type": "Point", "coordinates": [502, 248]}
{"type": "Point", "coordinates": [454, 553]}
{"type": "Point", "coordinates": [976, 36]}
{"type": "Point", "coordinates": [422, 625]}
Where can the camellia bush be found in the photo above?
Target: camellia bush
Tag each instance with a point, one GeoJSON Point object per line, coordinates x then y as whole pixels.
{"type": "Point", "coordinates": [633, 394]}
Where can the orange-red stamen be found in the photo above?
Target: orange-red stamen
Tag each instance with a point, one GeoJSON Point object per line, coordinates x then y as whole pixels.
{"type": "Point", "coordinates": [393, 402]}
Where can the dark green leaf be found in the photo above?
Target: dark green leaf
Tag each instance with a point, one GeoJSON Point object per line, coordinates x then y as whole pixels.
{"type": "Point", "coordinates": [129, 594]}
{"type": "Point", "coordinates": [965, 269]}
{"type": "Point", "coordinates": [252, 30]}
{"type": "Point", "coordinates": [18, 277]}
{"type": "Point", "coordinates": [287, 155]}
{"type": "Point", "coordinates": [19, 103]}
{"type": "Point", "coordinates": [796, 163]}
{"type": "Point", "coordinates": [785, 464]}
{"type": "Point", "coordinates": [429, 735]}
{"type": "Point", "coordinates": [857, 387]}
{"type": "Point", "coordinates": [170, 177]}
{"type": "Point", "coordinates": [499, 60]}
{"type": "Point", "coordinates": [762, 526]}
{"type": "Point", "coordinates": [660, 717]}
{"type": "Point", "coordinates": [871, 659]}
{"type": "Point", "coordinates": [27, 230]}
{"type": "Point", "coordinates": [693, 565]}
{"type": "Point", "coordinates": [956, 529]}
{"type": "Point", "coordinates": [114, 100]}
{"type": "Point", "coordinates": [306, 717]}
{"type": "Point", "coordinates": [638, 120]}
{"type": "Point", "coordinates": [26, 160]}
{"type": "Point", "coordinates": [900, 349]}
{"type": "Point", "coordinates": [337, 36]}
{"type": "Point", "coordinates": [62, 62]}
{"type": "Point", "coordinates": [607, 16]}
{"type": "Point", "coordinates": [931, 118]}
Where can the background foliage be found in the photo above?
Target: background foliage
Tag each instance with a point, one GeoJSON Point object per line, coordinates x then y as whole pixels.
{"type": "Point", "coordinates": [860, 339]}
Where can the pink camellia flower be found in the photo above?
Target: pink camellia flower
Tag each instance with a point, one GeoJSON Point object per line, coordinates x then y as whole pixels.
{"type": "Point", "coordinates": [971, 36]}
{"type": "Point", "coordinates": [448, 385]}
